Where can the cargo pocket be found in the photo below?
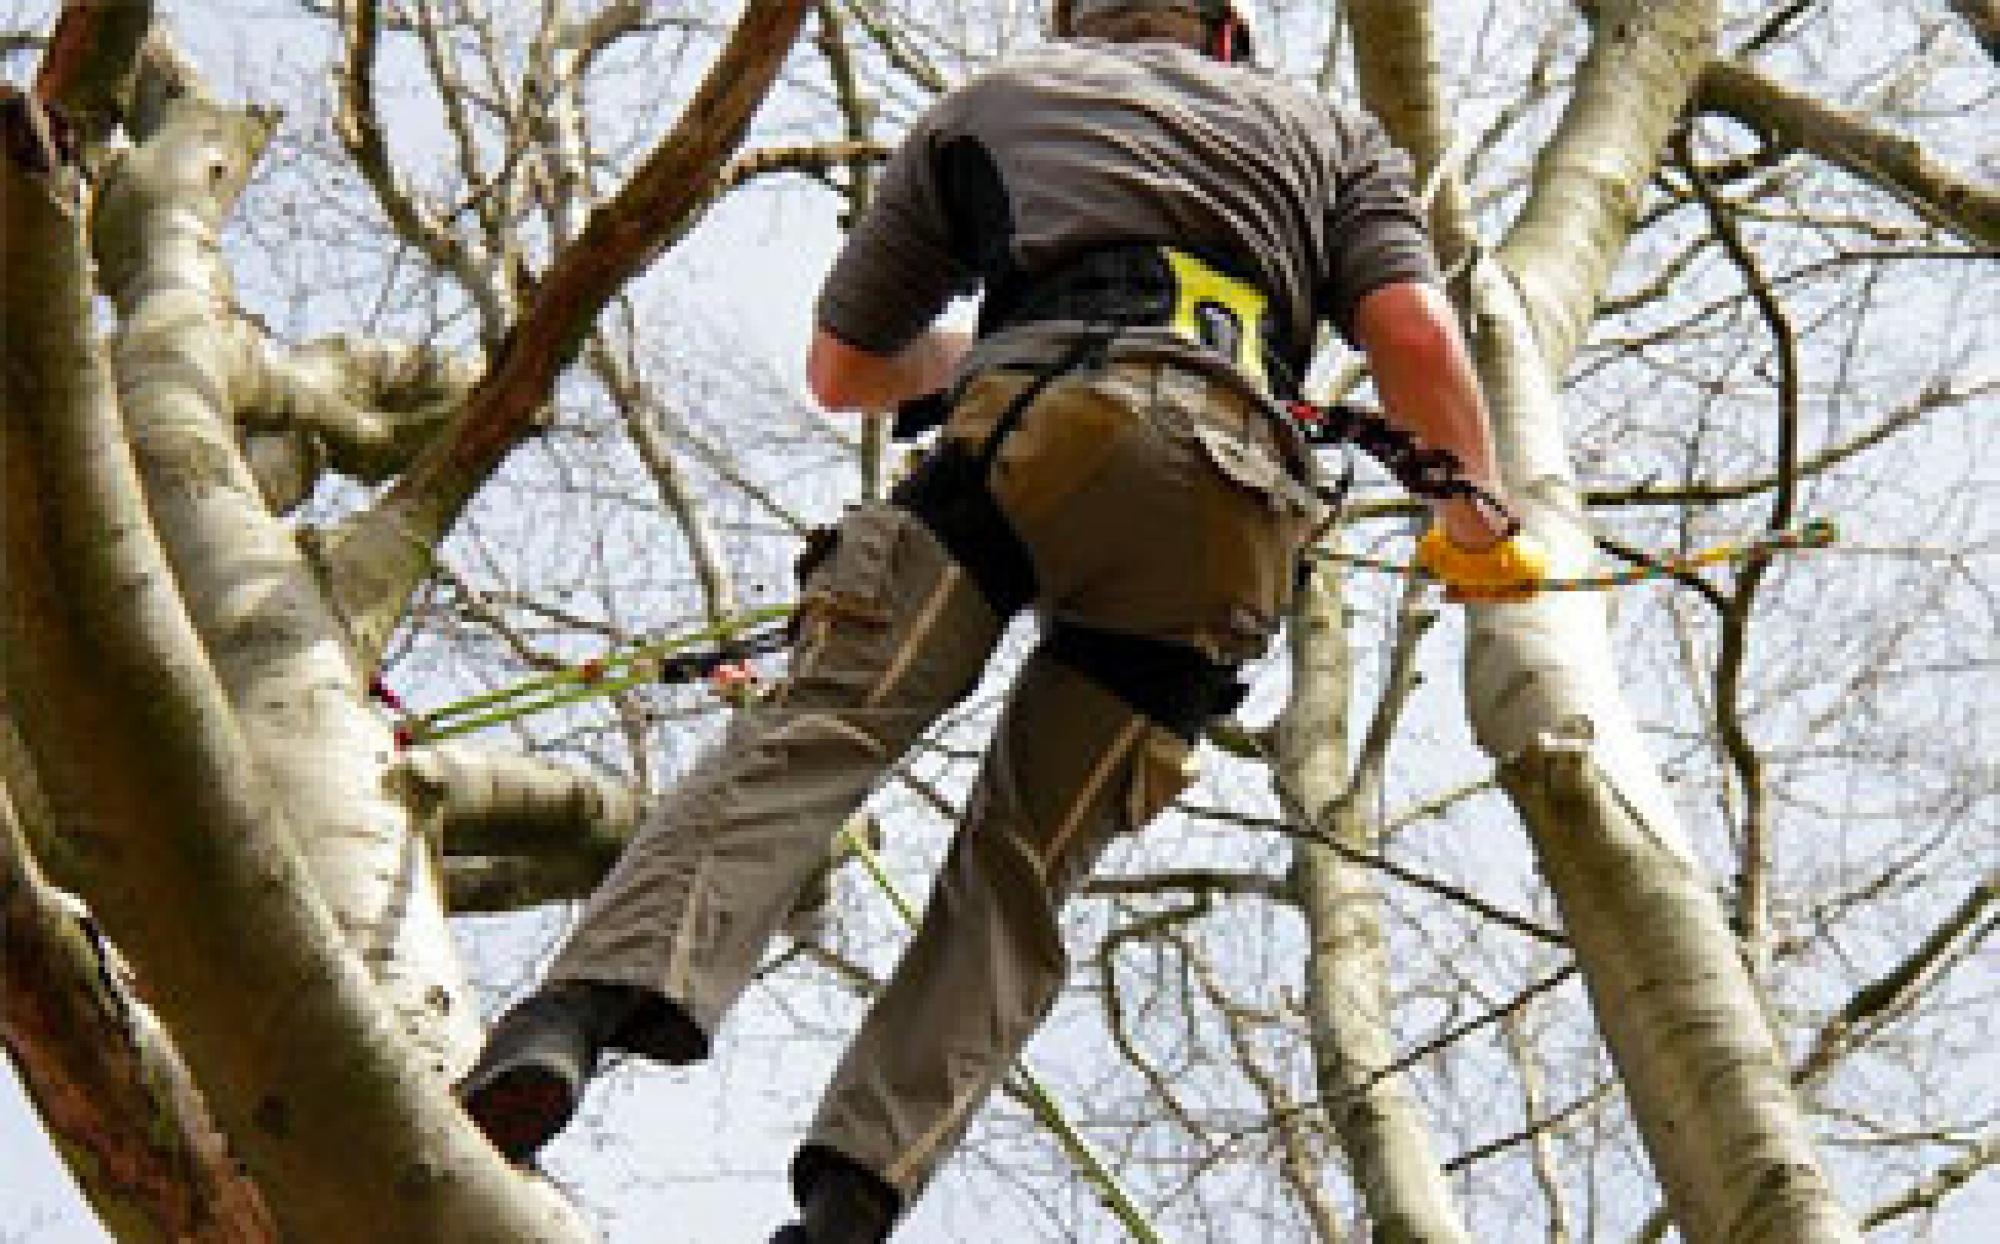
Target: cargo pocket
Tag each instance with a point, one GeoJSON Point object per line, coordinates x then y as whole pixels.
{"type": "Point", "coordinates": [1257, 518]}
{"type": "Point", "coordinates": [1251, 467]}
{"type": "Point", "coordinates": [845, 608]}
{"type": "Point", "coordinates": [1064, 440]}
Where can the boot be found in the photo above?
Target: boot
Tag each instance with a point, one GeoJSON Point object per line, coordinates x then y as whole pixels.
{"type": "Point", "coordinates": [844, 1205]}
{"type": "Point", "coordinates": [530, 1076]}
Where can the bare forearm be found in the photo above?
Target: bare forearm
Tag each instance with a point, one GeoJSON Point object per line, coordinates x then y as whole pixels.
{"type": "Point", "coordinates": [1425, 378]}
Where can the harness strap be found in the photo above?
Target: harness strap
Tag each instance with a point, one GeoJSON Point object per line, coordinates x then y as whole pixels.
{"type": "Point", "coordinates": [1172, 684]}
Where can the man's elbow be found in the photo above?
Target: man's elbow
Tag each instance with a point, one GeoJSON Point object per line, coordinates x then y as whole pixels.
{"type": "Point", "coordinates": [1411, 320]}
{"type": "Point", "coordinates": [834, 373]}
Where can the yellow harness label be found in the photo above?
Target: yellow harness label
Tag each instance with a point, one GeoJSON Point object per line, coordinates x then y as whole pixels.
{"type": "Point", "coordinates": [1216, 310]}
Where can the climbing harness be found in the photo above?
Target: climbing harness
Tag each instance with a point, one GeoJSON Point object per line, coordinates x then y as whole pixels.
{"type": "Point", "coordinates": [1433, 474]}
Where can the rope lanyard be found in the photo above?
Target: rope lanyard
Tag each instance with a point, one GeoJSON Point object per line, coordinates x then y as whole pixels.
{"type": "Point", "coordinates": [698, 654]}
{"type": "Point", "coordinates": [1819, 533]}
{"type": "Point", "coordinates": [673, 659]}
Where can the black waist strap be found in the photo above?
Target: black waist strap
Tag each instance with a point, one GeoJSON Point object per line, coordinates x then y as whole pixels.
{"type": "Point", "coordinates": [1148, 286]}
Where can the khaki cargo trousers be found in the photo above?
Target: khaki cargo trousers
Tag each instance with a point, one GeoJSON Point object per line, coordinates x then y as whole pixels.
{"type": "Point", "coordinates": [1152, 502]}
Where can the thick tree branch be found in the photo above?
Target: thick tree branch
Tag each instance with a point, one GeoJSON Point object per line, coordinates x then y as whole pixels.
{"type": "Point", "coordinates": [385, 552]}
{"type": "Point", "coordinates": [1398, 63]}
{"type": "Point", "coordinates": [483, 802]}
{"type": "Point", "coordinates": [88, 67]}
{"type": "Point", "coordinates": [1589, 178]}
{"type": "Point", "coordinates": [1384, 1136]}
{"type": "Point", "coordinates": [347, 1132]}
{"type": "Point", "coordinates": [1791, 120]}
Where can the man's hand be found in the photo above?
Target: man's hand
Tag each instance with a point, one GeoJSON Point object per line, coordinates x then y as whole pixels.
{"type": "Point", "coordinates": [1509, 570]}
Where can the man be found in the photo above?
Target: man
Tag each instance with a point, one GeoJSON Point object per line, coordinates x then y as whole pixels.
{"type": "Point", "coordinates": [1159, 230]}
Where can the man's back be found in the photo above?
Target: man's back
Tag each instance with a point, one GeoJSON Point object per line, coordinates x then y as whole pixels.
{"type": "Point", "coordinates": [1086, 143]}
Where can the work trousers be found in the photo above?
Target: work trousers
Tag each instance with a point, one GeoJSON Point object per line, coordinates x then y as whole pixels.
{"type": "Point", "coordinates": [1153, 502]}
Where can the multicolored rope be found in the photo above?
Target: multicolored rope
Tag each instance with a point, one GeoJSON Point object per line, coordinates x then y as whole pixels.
{"type": "Point", "coordinates": [674, 659]}
{"type": "Point", "coordinates": [716, 650]}
{"type": "Point", "coordinates": [1817, 534]}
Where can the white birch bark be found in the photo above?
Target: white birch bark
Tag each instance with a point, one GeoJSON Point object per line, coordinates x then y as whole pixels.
{"type": "Point", "coordinates": [1674, 1002]}
{"type": "Point", "coordinates": [147, 770]}
{"type": "Point", "coordinates": [187, 364]}
{"type": "Point", "coordinates": [1382, 1132]}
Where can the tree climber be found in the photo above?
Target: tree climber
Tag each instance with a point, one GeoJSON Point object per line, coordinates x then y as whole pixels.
{"type": "Point", "coordinates": [1158, 229]}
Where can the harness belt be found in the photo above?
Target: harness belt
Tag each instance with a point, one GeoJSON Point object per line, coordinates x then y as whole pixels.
{"type": "Point", "coordinates": [1148, 286]}
{"type": "Point", "coordinates": [1111, 290]}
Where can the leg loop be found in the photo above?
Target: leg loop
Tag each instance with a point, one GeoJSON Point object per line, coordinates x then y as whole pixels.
{"type": "Point", "coordinates": [1178, 687]}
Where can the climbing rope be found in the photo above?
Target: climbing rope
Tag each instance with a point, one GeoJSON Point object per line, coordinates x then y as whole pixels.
{"type": "Point", "coordinates": [1817, 534]}
{"type": "Point", "coordinates": [714, 651]}
{"type": "Point", "coordinates": [673, 659]}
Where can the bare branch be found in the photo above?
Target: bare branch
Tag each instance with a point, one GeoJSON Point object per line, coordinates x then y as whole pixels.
{"type": "Point", "coordinates": [1299, 1161]}
{"type": "Point", "coordinates": [1928, 1193]}
{"type": "Point", "coordinates": [385, 551]}
{"type": "Point", "coordinates": [1754, 868]}
{"type": "Point", "coordinates": [1542, 1155]}
{"type": "Point", "coordinates": [640, 415]}
{"type": "Point", "coordinates": [1892, 993]}
{"type": "Point", "coordinates": [360, 128]}
{"type": "Point", "coordinates": [1792, 120]}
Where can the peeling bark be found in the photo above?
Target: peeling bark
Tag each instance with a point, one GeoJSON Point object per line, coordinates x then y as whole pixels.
{"type": "Point", "coordinates": [89, 65]}
{"type": "Point", "coordinates": [109, 1086]}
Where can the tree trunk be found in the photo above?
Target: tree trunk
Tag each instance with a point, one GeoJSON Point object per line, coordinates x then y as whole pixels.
{"type": "Point", "coordinates": [1381, 1130]}
{"type": "Point", "coordinates": [147, 772]}
{"type": "Point", "coordinates": [1676, 1007]}
{"type": "Point", "coordinates": [188, 365]}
